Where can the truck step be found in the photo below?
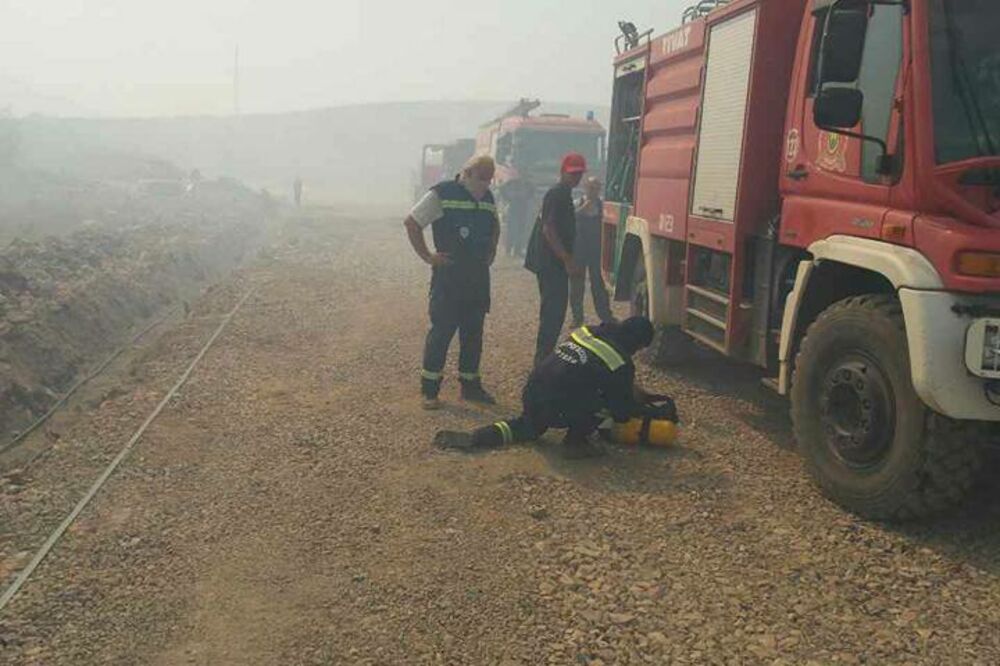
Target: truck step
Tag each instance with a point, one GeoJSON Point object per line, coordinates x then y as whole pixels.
{"type": "Point", "coordinates": [705, 316]}
{"type": "Point", "coordinates": [771, 383]}
{"type": "Point", "coordinates": [718, 323]}
{"type": "Point", "coordinates": [708, 341]}
{"type": "Point", "coordinates": [721, 299]}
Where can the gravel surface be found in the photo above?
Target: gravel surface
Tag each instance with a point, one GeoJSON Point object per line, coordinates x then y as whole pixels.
{"type": "Point", "coordinates": [288, 508]}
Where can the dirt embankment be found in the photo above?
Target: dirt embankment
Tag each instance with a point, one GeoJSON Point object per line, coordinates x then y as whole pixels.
{"type": "Point", "coordinates": [68, 302]}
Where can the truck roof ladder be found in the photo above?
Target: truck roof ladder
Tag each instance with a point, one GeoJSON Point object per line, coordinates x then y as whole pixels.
{"type": "Point", "coordinates": [522, 109]}
{"type": "Point", "coordinates": [630, 38]}
{"type": "Point", "coordinates": [702, 8]}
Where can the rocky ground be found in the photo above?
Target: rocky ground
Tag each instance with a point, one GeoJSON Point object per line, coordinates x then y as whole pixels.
{"type": "Point", "coordinates": [287, 507]}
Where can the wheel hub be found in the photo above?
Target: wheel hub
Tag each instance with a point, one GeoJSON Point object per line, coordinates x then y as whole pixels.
{"type": "Point", "coordinates": [856, 410]}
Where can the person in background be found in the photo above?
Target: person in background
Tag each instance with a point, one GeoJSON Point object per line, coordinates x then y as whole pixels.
{"type": "Point", "coordinates": [587, 255]}
{"type": "Point", "coordinates": [297, 191]}
{"type": "Point", "coordinates": [550, 253]}
{"type": "Point", "coordinates": [463, 220]}
{"type": "Point", "coordinates": [517, 195]}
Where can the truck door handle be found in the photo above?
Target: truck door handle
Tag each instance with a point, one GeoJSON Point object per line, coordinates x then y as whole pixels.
{"type": "Point", "coordinates": [798, 173]}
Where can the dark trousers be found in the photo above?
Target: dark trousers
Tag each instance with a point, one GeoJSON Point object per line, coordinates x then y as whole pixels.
{"type": "Point", "coordinates": [539, 414]}
{"type": "Point", "coordinates": [590, 260]}
{"type": "Point", "coordinates": [448, 316]}
{"type": "Point", "coordinates": [553, 292]}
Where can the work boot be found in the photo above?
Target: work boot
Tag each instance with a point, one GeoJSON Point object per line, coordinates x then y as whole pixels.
{"type": "Point", "coordinates": [580, 448]}
{"type": "Point", "coordinates": [429, 390]}
{"type": "Point", "coordinates": [474, 392]}
{"type": "Point", "coordinates": [489, 437]}
{"type": "Point", "coordinates": [453, 440]}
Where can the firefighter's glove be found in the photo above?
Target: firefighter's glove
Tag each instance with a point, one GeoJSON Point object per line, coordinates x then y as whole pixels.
{"type": "Point", "coordinates": [661, 407]}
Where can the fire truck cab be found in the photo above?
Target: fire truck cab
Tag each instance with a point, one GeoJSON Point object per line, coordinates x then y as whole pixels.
{"type": "Point", "coordinates": [813, 186]}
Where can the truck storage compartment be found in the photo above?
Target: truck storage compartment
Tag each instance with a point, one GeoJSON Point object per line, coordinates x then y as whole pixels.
{"type": "Point", "coordinates": [623, 139]}
{"type": "Point", "coordinates": [723, 117]}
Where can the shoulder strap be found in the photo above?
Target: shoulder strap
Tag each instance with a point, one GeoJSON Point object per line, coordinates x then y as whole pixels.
{"type": "Point", "coordinates": [608, 354]}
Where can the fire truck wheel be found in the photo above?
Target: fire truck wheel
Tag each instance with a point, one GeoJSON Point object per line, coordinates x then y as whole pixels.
{"type": "Point", "coordinates": [670, 346]}
{"type": "Point", "coordinates": [866, 438]}
{"type": "Point", "coordinates": [639, 291]}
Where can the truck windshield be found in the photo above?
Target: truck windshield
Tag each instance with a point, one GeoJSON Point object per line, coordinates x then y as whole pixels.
{"type": "Point", "coordinates": [965, 71]}
{"type": "Point", "coordinates": [541, 152]}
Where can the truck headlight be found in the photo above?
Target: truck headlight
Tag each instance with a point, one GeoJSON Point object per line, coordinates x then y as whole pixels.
{"type": "Point", "coordinates": [991, 353]}
{"type": "Point", "coordinates": [982, 348]}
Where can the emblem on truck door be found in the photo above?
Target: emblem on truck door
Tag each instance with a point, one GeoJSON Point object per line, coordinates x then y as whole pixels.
{"type": "Point", "coordinates": [832, 152]}
{"type": "Point", "coordinates": [792, 145]}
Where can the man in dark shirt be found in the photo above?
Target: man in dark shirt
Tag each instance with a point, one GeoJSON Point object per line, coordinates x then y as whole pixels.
{"type": "Point", "coordinates": [550, 254]}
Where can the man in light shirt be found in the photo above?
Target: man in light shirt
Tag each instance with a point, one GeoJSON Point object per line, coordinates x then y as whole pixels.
{"type": "Point", "coordinates": [462, 216]}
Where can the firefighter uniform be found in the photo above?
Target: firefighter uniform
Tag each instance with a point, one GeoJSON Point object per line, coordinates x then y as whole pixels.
{"type": "Point", "coordinates": [460, 290]}
{"type": "Point", "coordinates": [586, 378]}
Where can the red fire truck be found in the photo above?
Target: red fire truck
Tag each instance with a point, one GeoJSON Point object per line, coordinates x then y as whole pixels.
{"type": "Point", "coordinates": [813, 186]}
{"type": "Point", "coordinates": [441, 161]}
{"type": "Point", "coordinates": [531, 146]}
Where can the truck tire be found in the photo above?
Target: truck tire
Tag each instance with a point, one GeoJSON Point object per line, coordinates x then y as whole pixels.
{"type": "Point", "coordinates": [670, 346]}
{"type": "Point", "coordinates": [866, 438]}
{"type": "Point", "coordinates": [639, 290]}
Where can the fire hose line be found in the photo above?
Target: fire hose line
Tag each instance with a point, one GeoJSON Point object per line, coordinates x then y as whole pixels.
{"type": "Point", "coordinates": [57, 534]}
{"type": "Point", "coordinates": [4, 448]}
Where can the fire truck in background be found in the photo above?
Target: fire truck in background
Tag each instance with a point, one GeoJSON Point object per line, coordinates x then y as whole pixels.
{"type": "Point", "coordinates": [528, 150]}
{"type": "Point", "coordinates": [532, 146]}
{"type": "Point", "coordinates": [440, 161]}
{"type": "Point", "coordinates": [813, 186]}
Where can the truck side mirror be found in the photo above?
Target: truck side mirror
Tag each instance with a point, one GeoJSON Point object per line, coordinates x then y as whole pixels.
{"type": "Point", "coordinates": [843, 42]}
{"type": "Point", "coordinates": [838, 108]}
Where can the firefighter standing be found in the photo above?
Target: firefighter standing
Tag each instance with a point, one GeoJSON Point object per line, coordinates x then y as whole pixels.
{"type": "Point", "coordinates": [464, 225]}
{"type": "Point", "coordinates": [550, 253]}
{"type": "Point", "coordinates": [589, 373]}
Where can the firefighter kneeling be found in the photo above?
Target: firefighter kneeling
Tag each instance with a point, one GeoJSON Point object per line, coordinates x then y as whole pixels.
{"type": "Point", "coordinates": [584, 379]}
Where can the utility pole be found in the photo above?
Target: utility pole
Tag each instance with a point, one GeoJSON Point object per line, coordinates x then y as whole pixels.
{"type": "Point", "coordinates": [230, 147]}
{"type": "Point", "coordinates": [236, 81]}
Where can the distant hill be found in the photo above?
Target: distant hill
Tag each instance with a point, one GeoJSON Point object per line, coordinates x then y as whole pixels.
{"type": "Point", "coordinates": [351, 154]}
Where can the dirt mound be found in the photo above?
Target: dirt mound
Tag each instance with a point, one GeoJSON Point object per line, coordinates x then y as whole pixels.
{"type": "Point", "coordinates": [67, 302]}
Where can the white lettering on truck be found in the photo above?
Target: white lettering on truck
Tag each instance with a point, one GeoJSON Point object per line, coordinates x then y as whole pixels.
{"type": "Point", "coordinates": [676, 40]}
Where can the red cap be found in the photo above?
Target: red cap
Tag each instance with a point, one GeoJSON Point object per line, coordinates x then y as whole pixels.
{"type": "Point", "coordinates": [574, 163]}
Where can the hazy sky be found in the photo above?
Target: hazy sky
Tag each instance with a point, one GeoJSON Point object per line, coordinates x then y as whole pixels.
{"type": "Point", "coordinates": [169, 57]}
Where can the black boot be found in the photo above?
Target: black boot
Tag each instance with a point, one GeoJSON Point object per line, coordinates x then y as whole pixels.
{"type": "Point", "coordinates": [429, 389]}
{"type": "Point", "coordinates": [473, 391]}
{"type": "Point", "coordinates": [491, 436]}
{"type": "Point", "coordinates": [488, 437]}
{"type": "Point", "coordinates": [456, 441]}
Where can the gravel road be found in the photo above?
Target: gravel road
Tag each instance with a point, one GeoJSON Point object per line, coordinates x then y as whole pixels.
{"type": "Point", "coordinates": [288, 508]}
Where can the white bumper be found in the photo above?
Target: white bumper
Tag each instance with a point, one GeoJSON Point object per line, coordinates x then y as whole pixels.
{"type": "Point", "coordinates": [937, 339]}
